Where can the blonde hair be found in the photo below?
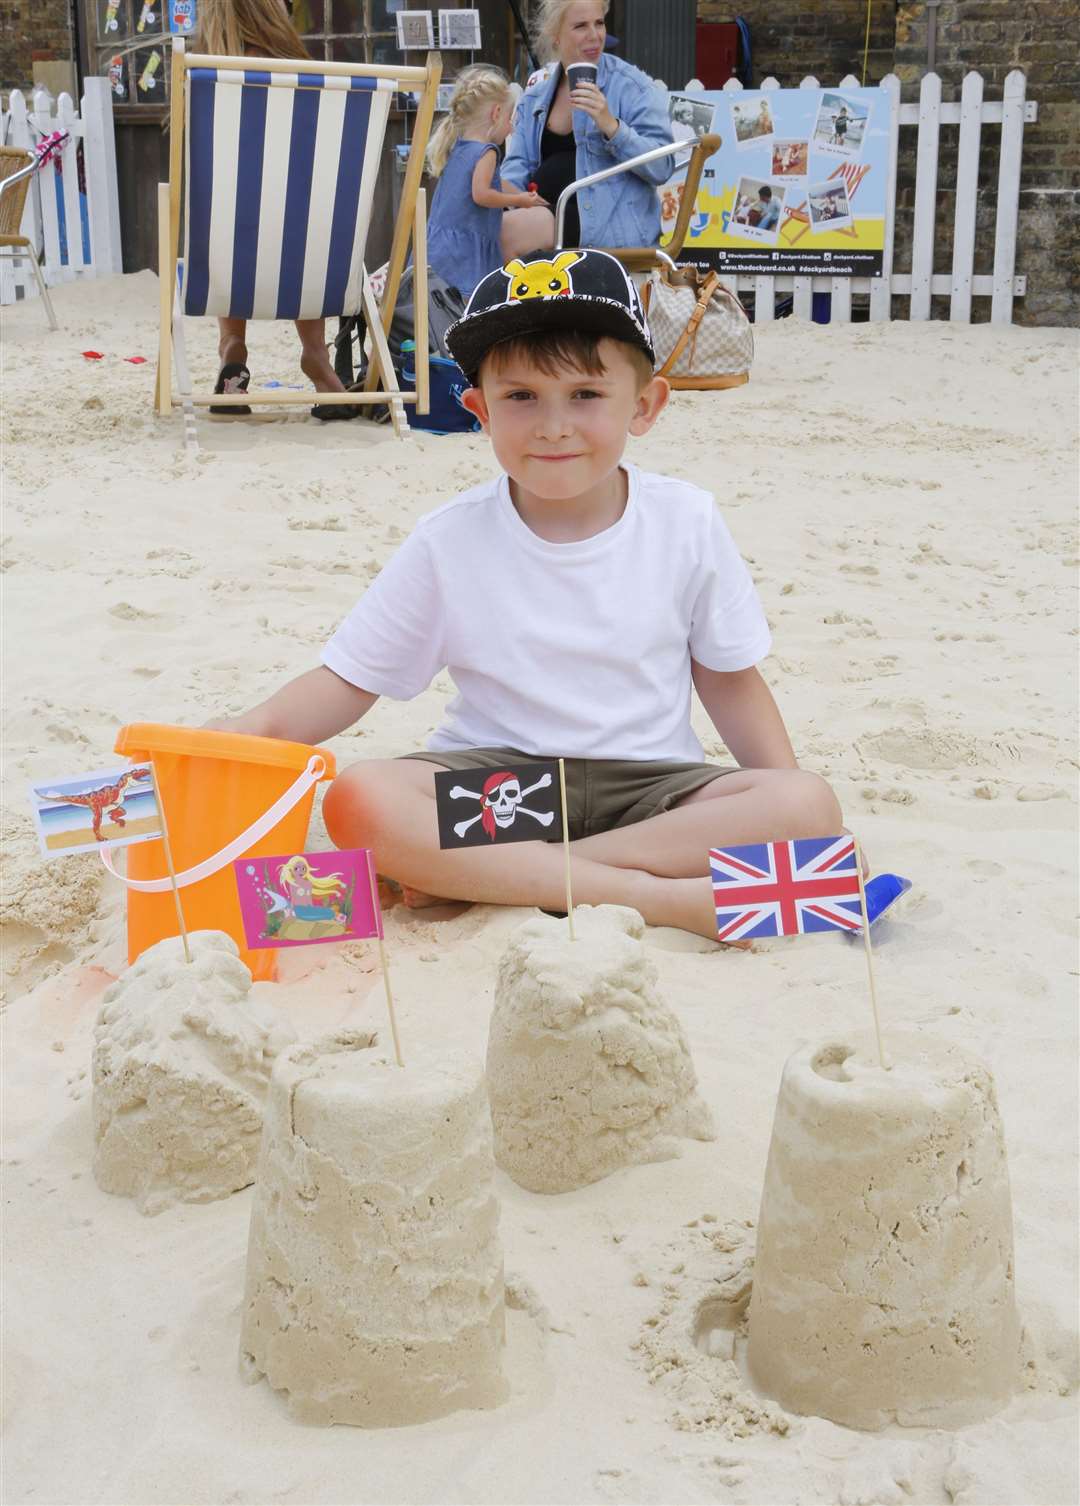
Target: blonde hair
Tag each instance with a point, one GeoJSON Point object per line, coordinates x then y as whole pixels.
{"type": "Point", "coordinates": [331, 885]}
{"type": "Point", "coordinates": [549, 19]}
{"type": "Point", "coordinates": [260, 28]}
{"type": "Point", "coordinates": [476, 89]}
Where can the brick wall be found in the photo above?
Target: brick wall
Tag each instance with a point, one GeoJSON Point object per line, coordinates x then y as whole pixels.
{"type": "Point", "coordinates": [29, 29]}
{"type": "Point", "coordinates": [793, 38]}
{"type": "Point", "coordinates": [993, 37]}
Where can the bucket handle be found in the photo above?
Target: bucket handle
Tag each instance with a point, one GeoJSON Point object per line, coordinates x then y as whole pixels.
{"type": "Point", "coordinates": [316, 768]}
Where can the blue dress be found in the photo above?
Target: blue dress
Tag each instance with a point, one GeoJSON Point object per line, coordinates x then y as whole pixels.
{"type": "Point", "coordinates": [463, 238]}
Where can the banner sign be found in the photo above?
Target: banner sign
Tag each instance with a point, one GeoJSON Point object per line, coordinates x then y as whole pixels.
{"type": "Point", "coordinates": [797, 187]}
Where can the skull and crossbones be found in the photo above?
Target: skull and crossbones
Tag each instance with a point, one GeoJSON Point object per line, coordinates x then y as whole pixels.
{"type": "Point", "coordinates": [501, 800]}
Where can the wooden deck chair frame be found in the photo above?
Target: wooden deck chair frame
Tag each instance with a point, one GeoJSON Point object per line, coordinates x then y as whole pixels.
{"type": "Point", "coordinates": [801, 214]}
{"type": "Point", "coordinates": [17, 168]}
{"type": "Point", "coordinates": [410, 226]}
{"type": "Point", "coordinates": [647, 258]}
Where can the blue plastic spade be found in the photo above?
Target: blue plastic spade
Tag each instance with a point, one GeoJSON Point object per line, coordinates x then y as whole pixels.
{"type": "Point", "coordinates": [883, 891]}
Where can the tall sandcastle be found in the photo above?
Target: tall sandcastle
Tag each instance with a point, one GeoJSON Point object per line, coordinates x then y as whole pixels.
{"type": "Point", "coordinates": [181, 1065]}
{"type": "Point", "coordinates": [374, 1290]}
{"type": "Point", "coordinates": [588, 1069]}
{"type": "Point", "coordinates": [883, 1280]}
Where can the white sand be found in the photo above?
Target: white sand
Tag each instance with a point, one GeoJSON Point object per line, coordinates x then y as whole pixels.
{"type": "Point", "coordinates": [905, 495]}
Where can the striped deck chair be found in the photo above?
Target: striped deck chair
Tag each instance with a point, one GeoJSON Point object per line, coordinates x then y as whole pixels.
{"type": "Point", "coordinates": [852, 173]}
{"type": "Point", "coordinates": [279, 160]}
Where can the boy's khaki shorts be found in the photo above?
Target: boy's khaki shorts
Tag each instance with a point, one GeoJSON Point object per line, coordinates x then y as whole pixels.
{"type": "Point", "coordinates": [601, 793]}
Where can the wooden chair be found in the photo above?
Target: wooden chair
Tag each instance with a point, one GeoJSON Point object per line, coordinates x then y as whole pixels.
{"type": "Point", "coordinates": [852, 173]}
{"type": "Point", "coordinates": [279, 158]}
{"type": "Point", "coordinates": [646, 258]}
{"type": "Point", "coordinates": [17, 170]}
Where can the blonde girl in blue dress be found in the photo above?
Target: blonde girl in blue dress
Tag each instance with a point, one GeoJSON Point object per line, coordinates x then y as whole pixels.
{"type": "Point", "coordinates": [467, 210]}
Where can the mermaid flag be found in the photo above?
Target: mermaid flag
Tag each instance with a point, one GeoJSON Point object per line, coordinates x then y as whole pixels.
{"type": "Point", "coordinates": [303, 898]}
{"type": "Point", "coordinates": [106, 808]}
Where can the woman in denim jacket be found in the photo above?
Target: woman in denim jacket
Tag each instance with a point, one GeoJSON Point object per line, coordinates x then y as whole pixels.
{"type": "Point", "coordinates": [561, 135]}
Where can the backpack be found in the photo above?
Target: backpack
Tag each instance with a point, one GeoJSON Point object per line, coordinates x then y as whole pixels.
{"type": "Point", "coordinates": [445, 306]}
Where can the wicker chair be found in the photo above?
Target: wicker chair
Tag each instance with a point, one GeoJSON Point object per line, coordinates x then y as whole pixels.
{"type": "Point", "coordinates": [19, 166]}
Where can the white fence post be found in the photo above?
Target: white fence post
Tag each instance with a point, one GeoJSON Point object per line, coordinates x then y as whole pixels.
{"type": "Point", "coordinates": [967, 188]}
{"type": "Point", "coordinates": [99, 155]}
{"type": "Point", "coordinates": [926, 168]}
{"type": "Point", "coordinates": [803, 292]}
{"type": "Point", "coordinates": [66, 120]}
{"type": "Point", "coordinates": [55, 268]}
{"type": "Point", "coordinates": [881, 287]}
{"type": "Point", "coordinates": [1008, 198]}
{"type": "Point", "coordinates": [765, 287]}
{"type": "Point", "coordinates": [840, 287]}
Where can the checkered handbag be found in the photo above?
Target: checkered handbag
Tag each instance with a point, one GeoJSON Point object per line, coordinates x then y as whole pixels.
{"type": "Point", "coordinates": [700, 331]}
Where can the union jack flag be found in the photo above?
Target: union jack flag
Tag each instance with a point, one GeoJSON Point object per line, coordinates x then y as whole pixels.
{"type": "Point", "coordinates": [786, 888]}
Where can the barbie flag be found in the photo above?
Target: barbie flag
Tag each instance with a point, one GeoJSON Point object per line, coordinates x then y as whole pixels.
{"type": "Point", "coordinates": [308, 897]}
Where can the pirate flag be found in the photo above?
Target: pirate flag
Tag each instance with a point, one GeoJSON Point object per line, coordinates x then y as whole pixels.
{"type": "Point", "coordinates": [477, 808]}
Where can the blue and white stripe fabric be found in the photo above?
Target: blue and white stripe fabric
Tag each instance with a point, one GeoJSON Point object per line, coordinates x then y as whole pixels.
{"type": "Point", "coordinates": [281, 171]}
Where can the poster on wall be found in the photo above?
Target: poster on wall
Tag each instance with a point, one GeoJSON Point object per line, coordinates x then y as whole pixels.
{"type": "Point", "coordinates": [181, 16]}
{"type": "Point", "coordinates": [798, 185]}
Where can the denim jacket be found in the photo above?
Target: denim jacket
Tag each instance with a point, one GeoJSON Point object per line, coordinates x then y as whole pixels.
{"type": "Point", "coordinates": [625, 210]}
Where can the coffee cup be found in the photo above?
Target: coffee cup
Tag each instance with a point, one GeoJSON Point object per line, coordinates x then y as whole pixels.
{"type": "Point", "coordinates": [580, 73]}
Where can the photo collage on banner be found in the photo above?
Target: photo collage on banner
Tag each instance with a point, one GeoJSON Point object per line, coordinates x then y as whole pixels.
{"type": "Point", "coordinates": [798, 185]}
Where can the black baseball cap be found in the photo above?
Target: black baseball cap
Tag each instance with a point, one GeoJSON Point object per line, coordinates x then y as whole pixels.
{"type": "Point", "coordinates": [568, 290]}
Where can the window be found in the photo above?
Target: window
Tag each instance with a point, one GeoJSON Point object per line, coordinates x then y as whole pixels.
{"type": "Point", "coordinates": [350, 31]}
{"type": "Point", "coordinates": [129, 44]}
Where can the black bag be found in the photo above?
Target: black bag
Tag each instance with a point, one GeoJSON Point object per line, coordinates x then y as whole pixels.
{"type": "Point", "coordinates": [445, 306]}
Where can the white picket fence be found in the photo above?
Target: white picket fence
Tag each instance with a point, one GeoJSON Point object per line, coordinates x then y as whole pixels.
{"type": "Point", "coordinates": [971, 112]}
{"type": "Point", "coordinates": [75, 229]}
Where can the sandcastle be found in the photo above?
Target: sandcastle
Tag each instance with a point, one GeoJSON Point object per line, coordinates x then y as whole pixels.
{"type": "Point", "coordinates": [883, 1281]}
{"type": "Point", "coordinates": [181, 1064]}
{"type": "Point", "coordinates": [374, 1290]}
{"type": "Point", "coordinates": [588, 1069]}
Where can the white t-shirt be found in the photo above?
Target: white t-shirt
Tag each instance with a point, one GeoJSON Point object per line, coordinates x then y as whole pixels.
{"type": "Point", "coordinates": [579, 650]}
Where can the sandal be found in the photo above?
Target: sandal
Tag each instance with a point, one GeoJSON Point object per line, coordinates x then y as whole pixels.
{"type": "Point", "coordinates": [233, 377]}
{"type": "Point", "coordinates": [330, 411]}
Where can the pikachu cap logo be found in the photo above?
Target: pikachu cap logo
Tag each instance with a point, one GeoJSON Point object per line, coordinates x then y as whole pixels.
{"type": "Point", "coordinates": [542, 279]}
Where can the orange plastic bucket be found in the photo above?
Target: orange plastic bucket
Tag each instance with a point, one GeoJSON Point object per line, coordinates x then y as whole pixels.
{"type": "Point", "coordinates": [217, 789]}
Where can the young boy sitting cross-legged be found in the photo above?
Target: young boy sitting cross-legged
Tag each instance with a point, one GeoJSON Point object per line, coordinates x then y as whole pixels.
{"type": "Point", "coordinates": [575, 600]}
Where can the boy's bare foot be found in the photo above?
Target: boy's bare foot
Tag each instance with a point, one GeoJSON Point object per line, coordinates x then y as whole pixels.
{"type": "Point", "coordinates": [432, 905]}
{"type": "Point", "coordinates": [416, 899]}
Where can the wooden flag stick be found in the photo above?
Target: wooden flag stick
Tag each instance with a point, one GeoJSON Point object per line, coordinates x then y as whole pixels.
{"type": "Point", "coordinates": [566, 848]}
{"type": "Point", "coordinates": [169, 864]}
{"type": "Point", "coordinates": [376, 912]}
{"type": "Point", "coordinates": [869, 956]}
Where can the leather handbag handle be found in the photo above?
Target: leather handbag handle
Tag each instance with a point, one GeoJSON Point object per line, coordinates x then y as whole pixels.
{"type": "Point", "coordinates": [708, 288]}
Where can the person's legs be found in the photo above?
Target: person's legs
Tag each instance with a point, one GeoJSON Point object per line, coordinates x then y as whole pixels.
{"type": "Point", "coordinates": [747, 805]}
{"type": "Point", "coordinates": [659, 866]}
{"type": "Point", "coordinates": [525, 230]}
{"type": "Point", "coordinates": [232, 341]}
{"type": "Point", "coordinates": [314, 358]}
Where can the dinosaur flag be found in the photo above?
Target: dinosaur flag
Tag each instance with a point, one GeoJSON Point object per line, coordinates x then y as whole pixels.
{"type": "Point", "coordinates": [108, 808]}
{"type": "Point", "coordinates": [302, 898]}
{"type": "Point", "coordinates": [479, 807]}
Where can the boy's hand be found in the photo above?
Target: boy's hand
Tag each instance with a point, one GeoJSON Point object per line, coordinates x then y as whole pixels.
{"type": "Point", "coordinates": [309, 709]}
